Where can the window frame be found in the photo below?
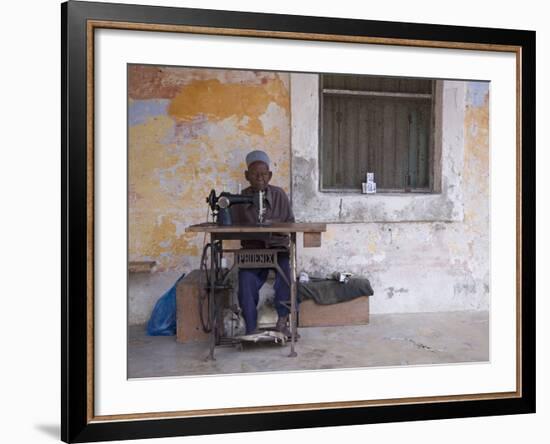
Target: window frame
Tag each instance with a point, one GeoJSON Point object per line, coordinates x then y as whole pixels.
{"type": "Point", "coordinates": [434, 148]}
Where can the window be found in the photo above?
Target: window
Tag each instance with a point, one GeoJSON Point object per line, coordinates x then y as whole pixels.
{"type": "Point", "coordinates": [384, 125]}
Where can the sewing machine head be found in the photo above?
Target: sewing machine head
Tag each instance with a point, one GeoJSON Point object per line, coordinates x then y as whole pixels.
{"type": "Point", "coordinates": [220, 205]}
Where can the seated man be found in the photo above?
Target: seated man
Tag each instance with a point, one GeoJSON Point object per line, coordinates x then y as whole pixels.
{"type": "Point", "coordinates": [277, 206]}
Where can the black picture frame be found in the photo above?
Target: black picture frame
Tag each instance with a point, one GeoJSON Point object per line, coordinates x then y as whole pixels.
{"type": "Point", "coordinates": [78, 423]}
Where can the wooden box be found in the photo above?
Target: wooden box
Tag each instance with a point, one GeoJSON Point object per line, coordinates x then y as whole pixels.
{"type": "Point", "coordinates": [354, 312]}
{"type": "Point", "coordinates": [189, 326]}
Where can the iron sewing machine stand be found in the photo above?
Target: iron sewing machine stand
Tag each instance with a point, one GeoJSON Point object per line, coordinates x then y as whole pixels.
{"type": "Point", "coordinates": [217, 281]}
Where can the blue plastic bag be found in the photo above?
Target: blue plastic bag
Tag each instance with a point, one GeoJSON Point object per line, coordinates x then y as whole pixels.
{"type": "Point", "coordinates": [163, 318]}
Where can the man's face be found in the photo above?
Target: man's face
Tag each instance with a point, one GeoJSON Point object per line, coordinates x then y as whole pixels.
{"type": "Point", "coordinates": [258, 175]}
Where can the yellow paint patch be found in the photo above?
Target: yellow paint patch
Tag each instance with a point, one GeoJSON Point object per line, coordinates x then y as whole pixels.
{"type": "Point", "coordinates": [218, 101]}
{"type": "Point", "coordinates": [175, 160]}
{"type": "Point", "coordinates": [476, 167]}
{"type": "Point", "coordinates": [329, 234]}
{"type": "Point", "coordinates": [146, 157]}
{"type": "Point", "coordinates": [476, 123]}
{"type": "Point", "coordinates": [184, 245]}
{"type": "Point", "coordinates": [372, 247]}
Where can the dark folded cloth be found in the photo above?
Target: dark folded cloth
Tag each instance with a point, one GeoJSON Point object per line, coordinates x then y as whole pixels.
{"type": "Point", "coordinates": [329, 291]}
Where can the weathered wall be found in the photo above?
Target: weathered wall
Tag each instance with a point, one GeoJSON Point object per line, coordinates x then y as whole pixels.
{"type": "Point", "coordinates": [421, 252]}
{"type": "Point", "coordinates": [188, 132]}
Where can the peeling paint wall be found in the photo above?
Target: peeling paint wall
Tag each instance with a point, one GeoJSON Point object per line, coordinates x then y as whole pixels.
{"type": "Point", "coordinates": [420, 252]}
{"type": "Point", "coordinates": [189, 131]}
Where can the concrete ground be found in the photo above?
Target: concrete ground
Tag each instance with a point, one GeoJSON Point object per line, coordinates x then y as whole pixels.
{"type": "Point", "coordinates": [388, 340]}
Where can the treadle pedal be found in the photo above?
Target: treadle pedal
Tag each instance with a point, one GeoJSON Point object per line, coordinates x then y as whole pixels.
{"type": "Point", "coordinates": [226, 341]}
{"type": "Point", "coordinates": [265, 336]}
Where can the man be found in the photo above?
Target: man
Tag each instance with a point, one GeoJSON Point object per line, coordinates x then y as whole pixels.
{"type": "Point", "coordinates": [277, 206]}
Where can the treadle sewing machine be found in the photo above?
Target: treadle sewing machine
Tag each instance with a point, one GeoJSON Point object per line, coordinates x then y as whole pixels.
{"type": "Point", "coordinates": [217, 277]}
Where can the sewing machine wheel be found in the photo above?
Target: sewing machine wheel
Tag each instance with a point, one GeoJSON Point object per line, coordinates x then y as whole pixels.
{"type": "Point", "coordinates": [210, 316]}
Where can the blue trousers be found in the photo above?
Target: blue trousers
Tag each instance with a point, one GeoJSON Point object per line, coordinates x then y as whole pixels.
{"type": "Point", "coordinates": [250, 282]}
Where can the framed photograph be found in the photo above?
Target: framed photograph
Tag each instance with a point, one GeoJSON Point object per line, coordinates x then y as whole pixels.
{"type": "Point", "coordinates": [275, 221]}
